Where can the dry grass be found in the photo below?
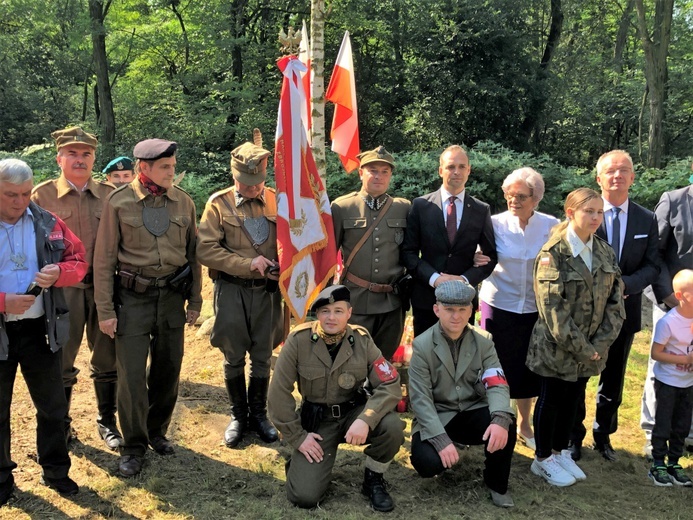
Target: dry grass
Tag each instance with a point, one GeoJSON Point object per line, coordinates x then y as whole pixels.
{"type": "Point", "coordinates": [205, 480]}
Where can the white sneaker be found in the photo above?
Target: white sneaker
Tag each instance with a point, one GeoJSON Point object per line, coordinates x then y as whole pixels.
{"type": "Point", "coordinates": [552, 472]}
{"type": "Point", "coordinates": [568, 464]}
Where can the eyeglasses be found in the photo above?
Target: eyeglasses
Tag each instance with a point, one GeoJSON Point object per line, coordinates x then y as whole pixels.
{"type": "Point", "coordinates": [517, 196]}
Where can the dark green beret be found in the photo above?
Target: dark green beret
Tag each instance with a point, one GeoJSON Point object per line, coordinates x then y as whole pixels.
{"type": "Point", "coordinates": [118, 164]}
{"type": "Point", "coordinates": [332, 294]}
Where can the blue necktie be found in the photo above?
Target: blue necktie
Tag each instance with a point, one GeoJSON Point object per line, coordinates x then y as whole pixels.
{"type": "Point", "coordinates": [616, 232]}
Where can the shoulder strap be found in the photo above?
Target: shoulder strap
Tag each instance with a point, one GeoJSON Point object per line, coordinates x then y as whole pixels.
{"type": "Point", "coordinates": [367, 234]}
{"type": "Point", "coordinates": [240, 222]}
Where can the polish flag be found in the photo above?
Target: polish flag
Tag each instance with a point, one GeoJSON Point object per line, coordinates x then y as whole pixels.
{"type": "Point", "coordinates": [305, 233]}
{"type": "Point", "coordinates": [307, 78]}
{"type": "Point", "coordinates": [342, 92]}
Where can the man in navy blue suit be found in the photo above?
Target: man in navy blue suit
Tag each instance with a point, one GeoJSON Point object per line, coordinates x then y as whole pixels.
{"type": "Point", "coordinates": [444, 229]}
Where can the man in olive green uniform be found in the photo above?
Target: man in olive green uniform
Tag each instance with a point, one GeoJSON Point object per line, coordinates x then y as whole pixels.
{"type": "Point", "coordinates": [78, 199]}
{"type": "Point", "coordinates": [331, 360]}
{"type": "Point", "coordinates": [238, 242]}
{"type": "Point", "coordinates": [371, 267]}
{"type": "Point", "coordinates": [147, 242]}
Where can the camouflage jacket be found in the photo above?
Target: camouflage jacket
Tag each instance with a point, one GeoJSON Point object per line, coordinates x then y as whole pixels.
{"type": "Point", "coordinates": [580, 313]}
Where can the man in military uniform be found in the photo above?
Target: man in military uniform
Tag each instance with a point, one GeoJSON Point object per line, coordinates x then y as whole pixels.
{"type": "Point", "coordinates": [336, 365]}
{"type": "Point", "coordinates": [119, 171]}
{"type": "Point", "coordinates": [147, 242]}
{"type": "Point", "coordinates": [78, 199]}
{"type": "Point", "coordinates": [238, 242]}
{"type": "Point", "coordinates": [459, 394]}
{"type": "Point", "coordinates": [372, 266]}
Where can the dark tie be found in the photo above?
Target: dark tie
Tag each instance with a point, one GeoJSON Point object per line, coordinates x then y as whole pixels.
{"type": "Point", "coordinates": [616, 231]}
{"type": "Point", "coordinates": [452, 220]}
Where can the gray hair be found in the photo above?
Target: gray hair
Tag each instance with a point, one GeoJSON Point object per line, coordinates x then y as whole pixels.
{"type": "Point", "coordinates": [15, 171]}
{"type": "Point", "coordinates": [605, 156]}
{"type": "Point", "coordinates": [533, 180]}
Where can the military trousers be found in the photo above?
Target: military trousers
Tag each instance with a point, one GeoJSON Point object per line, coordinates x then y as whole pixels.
{"type": "Point", "coordinates": [306, 483]}
{"type": "Point", "coordinates": [42, 371]}
{"type": "Point", "coordinates": [80, 303]}
{"type": "Point", "coordinates": [248, 319]}
{"type": "Point", "coordinates": [150, 328]}
{"type": "Point", "coordinates": [386, 329]}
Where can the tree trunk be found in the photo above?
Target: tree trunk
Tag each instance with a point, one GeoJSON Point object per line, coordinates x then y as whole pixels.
{"type": "Point", "coordinates": [106, 115]}
{"type": "Point", "coordinates": [622, 36]}
{"type": "Point", "coordinates": [317, 64]}
{"type": "Point", "coordinates": [656, 47]}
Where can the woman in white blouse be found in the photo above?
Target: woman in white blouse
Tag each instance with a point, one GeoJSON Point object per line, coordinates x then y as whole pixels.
{"type": "Point", "coordinates": [508, 308]}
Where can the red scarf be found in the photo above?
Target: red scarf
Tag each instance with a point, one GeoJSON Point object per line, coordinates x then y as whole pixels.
{"type": "Point", "coordinates": [151, 186]}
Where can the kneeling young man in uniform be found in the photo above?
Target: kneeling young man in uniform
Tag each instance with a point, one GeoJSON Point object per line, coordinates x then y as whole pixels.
{"type": "Point", "coordinates": [459, 394]}
{"type": "Point", "coordinates": [332, 362]}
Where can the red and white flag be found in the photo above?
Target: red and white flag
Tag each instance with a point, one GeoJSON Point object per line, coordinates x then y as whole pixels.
{"type": "Point", "coordinates": [305, 233]}
{"type": "Point", "coordinates": [342, 92]}
{"type": "Point", "coordinates": [307, 78]}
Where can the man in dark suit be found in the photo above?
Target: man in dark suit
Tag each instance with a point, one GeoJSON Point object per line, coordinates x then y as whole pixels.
{"type": "Point", "coordinates": [632, 232]}
{"type": "Point", "coordinates": [445, 227]}
{"type": "Point", "coordinates": [675, 222]}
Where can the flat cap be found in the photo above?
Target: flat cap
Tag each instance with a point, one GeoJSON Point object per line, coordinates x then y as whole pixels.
{"type": "Point", "coordinates": [455, 292]}
{"type": "Point", "coordinates": [380, 154]}
{"type": "Point", "coordinates": [246, 162]}
{"type": "Point", "coordinates": [72, 135]}
{"type": "Point", "coordinates": [332, 294]}
{"type": "Point", "coordinates": [153, 149]}
{"type": "Point", "coordinates": [118, 164]}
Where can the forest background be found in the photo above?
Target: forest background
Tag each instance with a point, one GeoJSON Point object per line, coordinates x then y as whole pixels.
{"type": "Point", "coordinates": [545, 83]}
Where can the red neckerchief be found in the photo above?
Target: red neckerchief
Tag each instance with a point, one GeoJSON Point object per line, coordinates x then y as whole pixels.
{"type": "Point", "coordinates": [151, 186]}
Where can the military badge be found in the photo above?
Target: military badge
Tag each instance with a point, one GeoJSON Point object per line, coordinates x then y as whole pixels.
{"type": "Point", "coordinates": [544, 261]}
{"type": "Point", "coordinates": [346, 381]}
{"type": "Point", "coordinates": [258, 228]}
{"type": "Point", "coordinates": [384, 371]}
{"type": "Point", "coordinates": [399, 236]}
{"type": "Point", "coordinates": [156, 220]}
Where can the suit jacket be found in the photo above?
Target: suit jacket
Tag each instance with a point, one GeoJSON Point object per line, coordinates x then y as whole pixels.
{"type": "Point", "coordinates": [639, 261]}
{"type": "Point", "coordinates": [426, 235]}
{"type": "Point", "coordinates": [439, 390]}
{"type": "Point", "coordinates": [675, 221]}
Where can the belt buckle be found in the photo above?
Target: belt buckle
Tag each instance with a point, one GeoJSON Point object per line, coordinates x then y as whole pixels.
{"type": "Point", "coordinates": [338, 413]}
{"type": "Point", "coordinates": [371, 286]}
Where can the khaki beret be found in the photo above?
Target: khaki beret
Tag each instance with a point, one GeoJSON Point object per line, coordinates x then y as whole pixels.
{"type": "Point", "coordinates": [118, 164]}
{"type": "Point", "coordinates": [455, 292]}
{"type": "Point", "coordinates": [380, 154]}
{"type": "Point", "coordinates": [332, 294]}
{"type": "Point", "coordinates": [153, 149]}
{"type": "Point", "coordinates": [245, 164]}
{"type": "Point", "coordinates": [72, 135]}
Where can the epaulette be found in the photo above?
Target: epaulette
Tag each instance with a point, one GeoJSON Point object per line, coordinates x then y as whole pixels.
{"type": "Point", "coordinates": [219, 193]}
{"type": "Point", "coordinates": [344, 197]}
{"type": "Point", "coordinates": [41, 184]}
{"type": "Point", "coordinates": [181, 189]}
{"type": "Point", "coordinates": [360, 329]}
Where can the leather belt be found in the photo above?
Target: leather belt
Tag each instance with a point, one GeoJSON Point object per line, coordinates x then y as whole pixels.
{"type": "Point", "coordinates": [337, 411]}
{"type": "Point", "coordinates": [243, 282]}
{"type": "Point", "coordinates": [365, 284]}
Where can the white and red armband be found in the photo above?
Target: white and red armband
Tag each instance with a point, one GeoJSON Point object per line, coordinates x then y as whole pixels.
{"type": "Point", "coordinates": [383, 372]}
{"type": "Point", "coordinates": [494, 377]}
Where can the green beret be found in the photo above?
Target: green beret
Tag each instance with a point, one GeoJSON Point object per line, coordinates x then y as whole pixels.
{"type": "Point", "coordinates": [332, 294]}
{"type": "Point", "coordinates": [153, 149]}
{"type": "Point", "coordinates": [72, 135]}
{"type": "Point", "coordinates": [380, 154]}
{"type": "Point", "coordinates": [455, 292]}
{"type": "Point", "coordinates": [118, 164]}
{"type": "Point", "coordinates": [245, 164]}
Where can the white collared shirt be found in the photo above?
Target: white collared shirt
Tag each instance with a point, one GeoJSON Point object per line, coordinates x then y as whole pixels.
{"type": "Point", "coordinates": [579, 248]}
{"type": "Point", "coordinates": [609, 222]}
{"type": "Point", "coordinates": [510, 286]}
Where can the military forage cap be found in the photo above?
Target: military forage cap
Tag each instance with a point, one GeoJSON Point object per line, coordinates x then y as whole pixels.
{"type": "Point", "coordinates": [73, 135]}
{"type": "Point", "coordinates": [455, 292]}
{"type": "Point", "coordinates": [379, 154]}
{"type": "Point", "coordinates": [118, 164]}
{"type": "Point", "coordinates": [332, 294]}
{"type": "Point", "coordinates": [246, 161]}
{"type": "Point", "coordinates": [153, 149]}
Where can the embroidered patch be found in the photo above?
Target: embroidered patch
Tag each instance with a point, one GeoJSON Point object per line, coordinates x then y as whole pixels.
{"type": "Point", "coordinates": [384, 370]}
{"type": "Point", "coordinates": [494, 377]}
{"type": "Point", "coordinates": [544, 261]}
{"type": "Point", "coordinates": [346, 381]}
{"type": "Point", "coordinates": [55, 235]}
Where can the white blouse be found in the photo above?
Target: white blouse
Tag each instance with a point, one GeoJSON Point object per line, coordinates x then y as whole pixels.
{"type": "Point", "coordinates": [510, 286]}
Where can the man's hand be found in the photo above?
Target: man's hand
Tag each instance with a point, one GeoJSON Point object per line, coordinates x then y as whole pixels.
{"type": "Point", "coordinates": [18, 303]}
{"type": "Point", "coordinates": [260, 264]}
{"type": "Point", "coordinates": [480, 259]}
{"type": "Point", "coordinates": [497, 437]}
{"type": "Point", "coordinates": [357, 433]}
{"type": "Point", "coordinates": [449, 456]}
{"type": "Point", "coordinates": [109, 327]}
{"type": "Point", "coordinates": [48, 275]}
{"type": "Point", "coordinates": [311, 449]}
{"type": "Point", "coordinates": [191, 317]}
{"type": "Point", "coordinates": [446, 278]}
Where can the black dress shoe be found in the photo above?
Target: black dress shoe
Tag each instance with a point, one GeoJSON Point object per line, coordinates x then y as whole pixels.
{"type": "Point", "coordinates": [6, 490]}
{"type": "Point", "coordinates": [130, 465]}
{"type": "Point", "coordinates": [575, 450]}
{"type": "Point", "coordinates": [607, 451]}
{"type": "Point", "coordinates": [65, 485]}
{"type": "Point", "coordinates": [162, 445]}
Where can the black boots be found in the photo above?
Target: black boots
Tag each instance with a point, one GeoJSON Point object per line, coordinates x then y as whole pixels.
{"type": "Point", "coordinates": [239, 411]}
{"type": "Point", "coordinates": [257, 400]}
{"type": "Point", "coordinates": [374, 487]}
{"type": "Point", "coordinates": [69, 434]}
{"type": "Point", "coordinates": [106, 421]}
